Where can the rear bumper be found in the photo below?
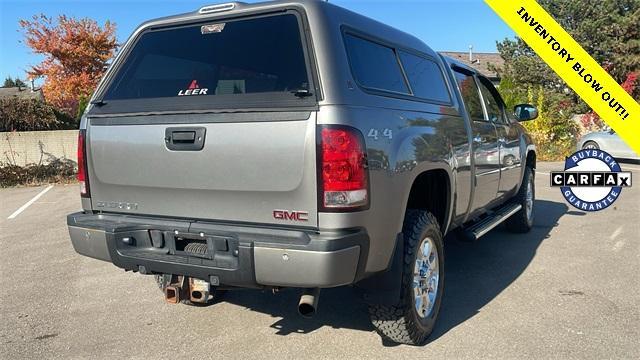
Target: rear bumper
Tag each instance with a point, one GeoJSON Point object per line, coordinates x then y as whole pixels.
{"type": "Point", "coordinates": [242, 256]}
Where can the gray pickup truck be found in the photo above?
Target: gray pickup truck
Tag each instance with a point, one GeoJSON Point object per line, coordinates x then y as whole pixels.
{"type": "Point", "coordinates": [296, 144]}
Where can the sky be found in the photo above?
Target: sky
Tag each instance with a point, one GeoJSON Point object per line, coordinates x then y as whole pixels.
{"type": "Point", "coordinates": [444, 25]}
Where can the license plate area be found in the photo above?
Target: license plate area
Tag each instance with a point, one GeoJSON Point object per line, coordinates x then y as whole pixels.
{"type": "Point", "coordinates": [201, 245]}
{"type": "Point", "coordinates": [204, 249]}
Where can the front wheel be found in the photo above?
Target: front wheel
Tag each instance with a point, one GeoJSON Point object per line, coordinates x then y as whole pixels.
{"type": "Point", "coordinates": [522, 221]}
{"type": "Point", "coordinates": [412, 320]}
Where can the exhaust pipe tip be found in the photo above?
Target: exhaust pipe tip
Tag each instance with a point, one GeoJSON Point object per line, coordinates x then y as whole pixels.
{"type": "Point", "coordinates": [308, 305]}
{"type": "Point", "coordinates": [306, 310]}
{"type": "Point", "coordinates": [172, 294]}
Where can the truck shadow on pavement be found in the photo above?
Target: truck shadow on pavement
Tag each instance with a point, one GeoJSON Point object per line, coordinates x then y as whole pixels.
{"type": "Point", "coordinates": [475, 274]}
{"type": "Point", "coordinates": [478, 272]}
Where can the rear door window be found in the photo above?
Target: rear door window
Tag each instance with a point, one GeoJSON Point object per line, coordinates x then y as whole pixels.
{"type": "Point", "coordinates": [261, 55]}
{"type": "Point", "coordinates": [374, 65]}
{"type": "Point", "coordinates": [425, 77]}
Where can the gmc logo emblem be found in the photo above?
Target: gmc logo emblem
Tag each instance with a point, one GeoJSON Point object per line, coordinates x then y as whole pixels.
{"type": "Point", "coordinates": [291, 215]}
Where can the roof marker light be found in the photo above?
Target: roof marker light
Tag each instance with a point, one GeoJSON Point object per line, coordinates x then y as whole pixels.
{"type": "Point", "coordinates": [216, 8]}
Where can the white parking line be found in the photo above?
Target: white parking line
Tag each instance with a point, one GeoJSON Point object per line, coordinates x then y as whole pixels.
{"type": "Point", "coordinates": [619, 244]}
{"type": "Point", "coordinates": [616, 233]}
{"type": "Point", "coordinates": [29, 203]}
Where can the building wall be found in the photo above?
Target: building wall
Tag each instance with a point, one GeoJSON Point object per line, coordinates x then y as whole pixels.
{"type": "Point", "coordinates": [38, 147]}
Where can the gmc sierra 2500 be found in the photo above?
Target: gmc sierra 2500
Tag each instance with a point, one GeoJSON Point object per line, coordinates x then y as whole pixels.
{"type": "Point", "coordinates": [296, 144]}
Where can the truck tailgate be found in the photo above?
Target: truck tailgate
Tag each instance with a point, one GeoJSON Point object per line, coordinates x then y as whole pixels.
{"type": "Point", "coordinates": [247, 171]}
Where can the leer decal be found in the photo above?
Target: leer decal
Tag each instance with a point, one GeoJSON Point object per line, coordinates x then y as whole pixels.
{"type": "Point", "coordinates": [193, 89]}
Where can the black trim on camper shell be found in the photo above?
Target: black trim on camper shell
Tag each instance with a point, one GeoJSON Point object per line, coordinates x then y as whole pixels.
{"type": "Point", "coordinates": [200, 117]}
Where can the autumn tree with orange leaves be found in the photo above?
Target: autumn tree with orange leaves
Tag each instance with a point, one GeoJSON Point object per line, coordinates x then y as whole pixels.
{"type": "Point", "coordinates": [76, 54]}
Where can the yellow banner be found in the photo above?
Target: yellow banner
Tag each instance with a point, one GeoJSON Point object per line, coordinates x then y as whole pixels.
{"type": "Point", "coordinates": [574, 65]}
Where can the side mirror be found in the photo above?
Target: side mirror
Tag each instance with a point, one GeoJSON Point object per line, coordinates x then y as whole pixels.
{"type": "Point", "coordinates": [525, 112]}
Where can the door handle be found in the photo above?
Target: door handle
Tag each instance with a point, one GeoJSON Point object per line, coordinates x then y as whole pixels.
{"type": "Point", "coordinates": [184, 138]}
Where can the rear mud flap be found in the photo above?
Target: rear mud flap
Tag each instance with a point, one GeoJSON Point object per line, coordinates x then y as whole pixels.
{"type": "Point", "coordinates": [385, 287]}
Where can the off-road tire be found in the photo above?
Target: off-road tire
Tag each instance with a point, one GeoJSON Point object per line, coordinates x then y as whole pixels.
{"type": "Point", "coordinates": [401, 323]}
{"type": "Point", "coordinates": [521, 222]}
{"type": "Point", "coordinates": [214, 294]}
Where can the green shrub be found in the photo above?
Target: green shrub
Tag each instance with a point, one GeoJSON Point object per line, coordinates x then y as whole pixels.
{"type": "Point", "coordinates": [26, 115]}
{"type": "Point", "coordinates": [66, 121]}
{"type": "Point", "coordinates": [554, 132]}
{"type": "Point", "coordinates": [82, 105]}
{"type": "Point", "coordinates": [32, 115]}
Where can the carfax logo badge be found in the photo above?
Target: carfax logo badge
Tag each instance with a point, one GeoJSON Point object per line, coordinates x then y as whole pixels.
{"type": "Point", "coordinates": [592, 180]}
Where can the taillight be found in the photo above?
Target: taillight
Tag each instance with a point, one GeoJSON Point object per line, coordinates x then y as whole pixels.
{"type": "Point", "coordinates": [343, 174]}
{"type": "Point", "coordinates": [83, 179]}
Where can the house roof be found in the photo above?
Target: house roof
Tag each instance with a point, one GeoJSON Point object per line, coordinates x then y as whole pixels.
{"type": "Point", "coordinates": [22, 93]}
{"type": "Point", "coordinates": [481, 61]}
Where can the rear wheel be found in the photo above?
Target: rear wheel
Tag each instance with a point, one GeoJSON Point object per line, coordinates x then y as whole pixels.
{"type": "Point", "coordinates": [412, 320]}
{"type": "Point", "coordinates": [522, 221]}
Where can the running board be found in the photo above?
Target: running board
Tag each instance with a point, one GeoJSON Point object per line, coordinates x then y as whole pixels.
{"type": "Point", "coordinates": [477, 230]}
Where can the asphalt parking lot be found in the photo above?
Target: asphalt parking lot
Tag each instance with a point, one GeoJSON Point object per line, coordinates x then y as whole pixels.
{"type": "Point", "coordinates": [568, 289]}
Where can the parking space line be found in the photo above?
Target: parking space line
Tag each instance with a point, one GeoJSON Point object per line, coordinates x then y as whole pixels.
{"type": "Point", "coordinates": [29, 203]}
{"type": "Point", "coordinates": [619, 244]}
{"type": "Point", "coordinates": [616, 233]}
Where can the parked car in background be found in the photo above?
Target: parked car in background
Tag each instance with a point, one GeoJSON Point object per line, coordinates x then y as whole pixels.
{"type": "Point", "coordinates": [610, 142]}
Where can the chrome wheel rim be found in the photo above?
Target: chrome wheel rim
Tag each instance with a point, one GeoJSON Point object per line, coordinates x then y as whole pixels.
{"type": "Point", "coordinates": [529, 199]}
{"type": "Point", "coordinates": [426, 275]}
